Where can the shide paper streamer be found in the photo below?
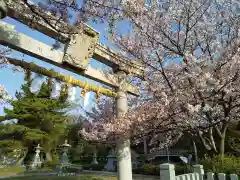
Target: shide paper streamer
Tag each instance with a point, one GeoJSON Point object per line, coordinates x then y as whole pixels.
{"type": "Point", "coordinates": [86, 100]}
{"type": "Point", "coordinates": [56, 90]}
{"type": "Point", "coordinates": [71, 94]}
{"type": "Point", "coordinates": [36, 84]}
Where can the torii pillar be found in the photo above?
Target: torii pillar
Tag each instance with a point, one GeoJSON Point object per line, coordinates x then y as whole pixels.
{"type": "Point", "coordinates": [124, 162]}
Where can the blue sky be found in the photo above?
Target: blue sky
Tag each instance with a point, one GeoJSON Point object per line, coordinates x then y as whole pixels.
{"type": "Point", "coordinates": [13, 80]}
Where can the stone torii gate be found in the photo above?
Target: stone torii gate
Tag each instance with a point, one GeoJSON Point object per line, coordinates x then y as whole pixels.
{"type": "Point", "coordinates": [81, 44]}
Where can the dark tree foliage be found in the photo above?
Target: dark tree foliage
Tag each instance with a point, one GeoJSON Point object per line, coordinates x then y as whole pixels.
{"type": "Point", "coordinates": [40, 120]}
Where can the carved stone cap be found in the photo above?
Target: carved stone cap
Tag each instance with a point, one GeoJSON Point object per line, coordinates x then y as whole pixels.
{"type": "Point", "coordinates": [167, 166]}
{"type": "Point", "coordinates": [66, 144]}
{"type": "Point", "coordinates": [38, 147]}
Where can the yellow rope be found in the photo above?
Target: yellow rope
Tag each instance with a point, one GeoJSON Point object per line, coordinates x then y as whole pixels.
{"type": "Point", "coordinates": [97, 96]}
{"type": "Point", "coordinates": [66, 78]}
{"type": "Point", "coordinates": [27, 75]}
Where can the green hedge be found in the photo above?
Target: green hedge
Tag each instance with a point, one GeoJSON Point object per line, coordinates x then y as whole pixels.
{"type": "Point", "coordinates": [150, 169]}
{"type": "Point", "coordinates": [50, 165]}
{"type": "Point", "coordinates": [73, 170]}
{"type": "Point", "coordinates": [94, 167]}
{"type": "Point", "coordinates": [230, 164]}
{"type": "Point", "coordinates": [147, 169]}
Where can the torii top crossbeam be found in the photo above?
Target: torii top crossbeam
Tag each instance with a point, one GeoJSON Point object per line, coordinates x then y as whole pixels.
{"type": "Point", "coordinates": [81, 44]}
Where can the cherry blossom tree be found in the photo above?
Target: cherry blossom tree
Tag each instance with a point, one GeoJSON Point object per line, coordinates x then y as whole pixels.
{"type": "Point", "coordinates": [204, 102]}
{"type": "Point", "coordinates": [190, 50]}
{"type": "Point", "coordinates": [141, 120]}
{"type": "Point", "coordinates": [3, 63]}
{"type": "Point", "coordinates": [3, 93]}
{"type": "Point", "coordinates": [198, 92]}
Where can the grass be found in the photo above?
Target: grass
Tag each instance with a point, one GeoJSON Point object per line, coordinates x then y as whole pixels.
{"type": "Point", "coordinates": [19, 173]}
{"type": "Point", "coordinates": [11, 171]}
{"type": "Point", "coordinates": [80, 177]}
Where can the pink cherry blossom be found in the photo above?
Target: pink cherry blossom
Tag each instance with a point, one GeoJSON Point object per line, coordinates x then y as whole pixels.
{"type": "Point", "coordinates": [193, 94]}
{"type": "Point", "coordinates": [190, 50]}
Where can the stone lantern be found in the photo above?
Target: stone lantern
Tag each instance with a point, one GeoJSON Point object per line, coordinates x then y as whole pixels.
{"type": "Point", "coordinates": [94, 161]}
{"type": "Point", "coordinates": [64, 157]}
{"type": "Point", "coordinates": [111, 161]}
{"type": "Point", "coordinates": [62, 171]}
{"type": "Point", "coordinates": [36, 163]}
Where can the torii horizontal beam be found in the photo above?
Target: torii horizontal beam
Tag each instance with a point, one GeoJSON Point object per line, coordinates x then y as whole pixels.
{"type": "Point", "coordinates": [61, 31]}
{"type": "Point", "coordinates": [35, 48]}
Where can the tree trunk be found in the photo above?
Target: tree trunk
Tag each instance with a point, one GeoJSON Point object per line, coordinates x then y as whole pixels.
{"type": "Point", "coordinates": [19, 162]}
{"type": "Point", "coordinates": [195, 151]}
{"type": "Point", "coordinates": [204, 142]}
{"type": "Point", "coordinates": [49, 156]}
{"type": "Point", "coordinates": [213, 144]}
{"type": "Point", "coordinates": [222, 143]}
{"type": "Point", "coordinates": [222, 147]}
